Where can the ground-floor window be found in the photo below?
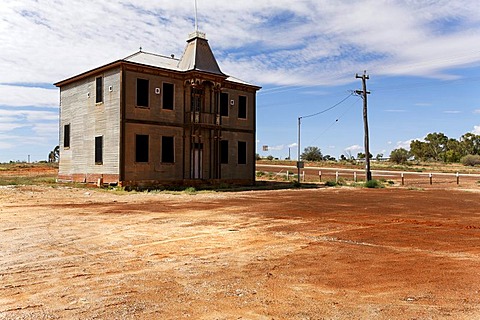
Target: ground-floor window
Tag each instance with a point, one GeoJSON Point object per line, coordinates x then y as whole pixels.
{"type": "Point", "coordinates": [99, 150]}
{"type": "Point", "coordinates": [66, 136]}
{"type": "Point", "coordinates": [168, 150]}
{"type": "Point", "coordinates": [141, 148]}
{"type": "Point", "coordinates": [242, 152]}
{"type": "Point", "coordinates": [224, 151]}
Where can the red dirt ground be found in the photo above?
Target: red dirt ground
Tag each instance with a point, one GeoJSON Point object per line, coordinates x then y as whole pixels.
{"type": "Point", "coordinates": [325, 253]}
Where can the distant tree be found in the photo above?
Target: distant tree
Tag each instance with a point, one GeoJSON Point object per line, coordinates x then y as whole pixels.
{"type": "Point", "coordinates": [379, 156]}
{"type": "Point", "coordinates": [329, 158]}
{"type": "Point", "coordinates": [361, 155]}
{"type": "Point", "coordinates": [343, 157]}
{"type": "Point", "coordinates": [470, 143]}
{"type": "Point", "coordinates": [257, 156]}
{"type": "Point", "coordinates": [437, 145]}
{"type": "Point", "coordinates": [454, 151]}
{"type": "Point", "coordinates": [270, 157]}
{"type": "Point", "coordinates": [399, 155]}
{"type": "Point", "coordinates": [312, 154]}
{"type": "Point", "coordinates": [419, 150]}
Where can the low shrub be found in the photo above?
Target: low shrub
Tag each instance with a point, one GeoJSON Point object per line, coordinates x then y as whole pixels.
{"type": "Point", "coordinates": [260, 173]}
{"type": "Point", "coordinates": [471, 160]}
{"type": "Point", "coordinates": [330, 183]}
{"type": "Point", "coordinates": [373, 184]}
{"type": "Point", "coordinates": [190, 190]}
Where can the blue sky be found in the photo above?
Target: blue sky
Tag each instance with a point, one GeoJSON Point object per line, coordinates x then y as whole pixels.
{"type": "Point", "coordinates": [423, 59]}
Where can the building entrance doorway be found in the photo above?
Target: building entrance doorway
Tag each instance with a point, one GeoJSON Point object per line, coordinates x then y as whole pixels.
{"type": "Point", "coordinates": [197, 161]}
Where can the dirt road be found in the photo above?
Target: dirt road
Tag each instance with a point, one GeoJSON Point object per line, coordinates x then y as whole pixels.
{"type": "Point", "coordinates": [293, 254]}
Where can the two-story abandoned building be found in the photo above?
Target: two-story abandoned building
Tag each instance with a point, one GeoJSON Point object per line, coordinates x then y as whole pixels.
{"type": "Point", "coordinates": [155, 120]}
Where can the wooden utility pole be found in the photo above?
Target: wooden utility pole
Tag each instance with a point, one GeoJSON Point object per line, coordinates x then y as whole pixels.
{"type": "Point", "coordinates": [364, 93]}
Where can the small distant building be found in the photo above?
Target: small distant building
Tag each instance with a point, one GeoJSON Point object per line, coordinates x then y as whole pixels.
{"type": "Point", "coordinates": [149, 120]}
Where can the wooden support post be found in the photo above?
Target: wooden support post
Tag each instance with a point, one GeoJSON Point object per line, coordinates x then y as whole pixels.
{"type": "Point", "coordinates": [320, 175]}
{"type": "Point", "coordinates": [336, 176]}
{"type": "Point", "coordinates": [303, 176]}
{"type": "Point", "coordinates": [458, 178]}
{"type": "Point", "coordinates": [355, 176]}
{"type": "Point", "coordinates": [430, 176]}
{"type": "Point", "coordinates": [403, 179]}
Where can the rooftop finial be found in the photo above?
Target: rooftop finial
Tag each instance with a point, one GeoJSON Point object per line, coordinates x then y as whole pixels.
{"type": "Point", "coordinates": [196, 17]}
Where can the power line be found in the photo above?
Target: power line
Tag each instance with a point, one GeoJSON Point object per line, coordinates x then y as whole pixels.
{"type": "Point", "coordinates": [336, 121]}
{"type": "Point", "coordinates": [328, 109]}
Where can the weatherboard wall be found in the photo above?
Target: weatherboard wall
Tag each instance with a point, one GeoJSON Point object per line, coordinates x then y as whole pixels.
{"type": "Point", "coordinates": [88, 120]}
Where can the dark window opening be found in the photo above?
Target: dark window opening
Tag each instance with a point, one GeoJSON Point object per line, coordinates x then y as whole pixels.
{"type": "Point", "coordinates": [142, 93]}
{"type": "Point", "coordinates": [224, 151]}
{"type": "Point", "coordinates": [99, 150]}
{"type": "Point", "coordinates": [98, 89]}
{"type": "Point", "coordinates": [224, 104]}
{"type": "Point", "coordinates": [197, 98]}
{"type": "Point", "coordinates": [66, 136]}
{"type": "Point", "coordinates": [242, 152]}
{"type": "Point", "coordinates": [141, 148]}
{"type": "Point", "coordinates": [168, 150]}
{"type": "Point", "coordinates": [168, 96]}
{"type": "Point", "coordinates": [242, 107]}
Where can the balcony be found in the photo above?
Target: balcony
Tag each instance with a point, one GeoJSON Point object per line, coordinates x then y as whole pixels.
{"type": "Point", "coordinates": [203, 119]}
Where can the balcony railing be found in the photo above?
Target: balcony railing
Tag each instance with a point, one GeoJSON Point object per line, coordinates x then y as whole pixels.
{"type": "Point", "coordinates": [202, 118]}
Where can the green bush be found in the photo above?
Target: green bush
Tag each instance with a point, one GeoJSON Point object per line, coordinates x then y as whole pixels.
{"type": "Point", "coordinates": [470, 160]}
{"type": "Point", "coordinates": [260, 173]}
{"type": "Point", "coordinates": [330, 183]}
{"type": "Point", "coordinates": [190, 190]}
{"type": "Point", "coordinates": [399, 156]}
{"type": "Point", "coordinates": [373, 184]}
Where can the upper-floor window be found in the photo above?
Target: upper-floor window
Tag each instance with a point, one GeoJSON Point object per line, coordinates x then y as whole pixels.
{"type": "Point", "coordinates": [168, 150]}
{"type": "Point", "coordinates": [197, 99]}
{"type": "Point", "coordinates": [66, 136]}
{"type": "Point", "coordinates": [242, 152]}
{"type": "Point", "coordinates": [98, 89]}
{"type": "Point", "coordinates": [224, 104]}
{"type": "Point", "coordinates": [168, 96]}
{"type": "Point", "coordinates": [242, 107]}
{"type": "Point", "coordinates": [99, 150]}
{"type": "Point", "coordinates": [141, 148]}
{"type": "Point", "coordinates": [142, 92]}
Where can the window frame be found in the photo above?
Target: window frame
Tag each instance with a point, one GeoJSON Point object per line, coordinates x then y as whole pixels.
{"type": "Point", "coordinates": [66, 136]}
{"type": "Point", "coordinates": [140, 157]}
{"type": "Point", "coordinates": [242, 156]}
{"type": "Point", "coordinates": [145, 91]}
{"type": "Point", "coordinates": [168, 156]}
{"type": "Point", "coordinates": [171, 96]}
{"type": "Point", "coordinates": [99, 150]}
{"type": "Point", "coordinates": [242, 107]}
{"type": "Point", "coordinates": [224, 152]}
{"type": "Point", "coordinates": [224, 104]}
{"type": "Point", "coordinates": [99, 89]}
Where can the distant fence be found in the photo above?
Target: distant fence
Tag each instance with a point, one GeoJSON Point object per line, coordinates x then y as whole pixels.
{"type": "Point", "coordinates": [313, 174]}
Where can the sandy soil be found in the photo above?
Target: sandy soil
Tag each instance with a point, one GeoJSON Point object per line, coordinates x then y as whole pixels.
{"type": "Point", "coordinates": [392, 253]}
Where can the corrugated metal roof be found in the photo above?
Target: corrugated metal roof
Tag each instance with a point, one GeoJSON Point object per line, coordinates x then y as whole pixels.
{"type": "Point", "coordinates": [153, 60]}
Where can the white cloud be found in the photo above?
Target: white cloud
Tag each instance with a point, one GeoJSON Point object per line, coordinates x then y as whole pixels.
{"type": "Point", "coordinates": [274, 42]}
{"type": "Point", "coordinates": [477, 111]}
{"type": "Point", "coordinates": [452, 111]}
{"type": "Point", "coordinates": [293, 145]}
{"type": "Point", "coordinates": [17, 96]}
{"type": "Point", "coordinates": [354, 148]}
{"type": "Point", "coordinates": [476, 129]}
